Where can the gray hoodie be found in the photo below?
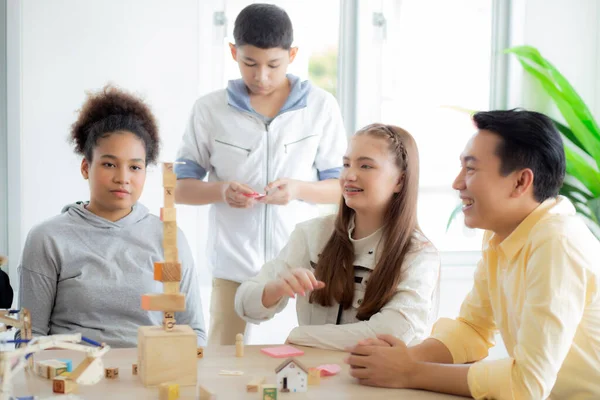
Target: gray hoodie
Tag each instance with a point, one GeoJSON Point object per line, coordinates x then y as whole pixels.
{"type": "Point", "coordinates": [83, 273]}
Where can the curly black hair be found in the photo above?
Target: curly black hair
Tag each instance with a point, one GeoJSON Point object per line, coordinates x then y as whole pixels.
{"type": "Point", "coordinates": [114, 110]}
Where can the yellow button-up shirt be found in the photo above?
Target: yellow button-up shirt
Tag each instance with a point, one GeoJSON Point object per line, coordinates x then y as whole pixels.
{"type": "Point", "coordinates": [540, 288]}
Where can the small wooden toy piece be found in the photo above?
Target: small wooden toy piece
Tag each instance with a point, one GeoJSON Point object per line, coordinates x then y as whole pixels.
{"type": "Point", "coordinates": [111, 373]}
{"type": "Point", "coordinates": [205, 394]}
{"type": "Point", "coordinates": [63, 385]}
{"type": "Point", "coordinates": [314, 377]}
{"type": "Point", "coordinates": [269, 392]}
{"type": "Point", "coordinates": [168, 214]}
{"type": "Point", "coordinates": [168, 391]}
{"type": "Point", "coordinates": [168, 320]}
{"type": "Point", "coordinates": [200, 352]}
{"type": "Point", "coordinates": [291, 376]}
{"type": "Point", "coordinates": [228, 372]}
{"type": "Point", "coordinates": [134, 369]}
{"type": "Point", "coordinates": [239, 345]}
{"type": "Point", "coordinates": [68, 363]}
{"type": "Point", "coordinates": [254, 384]}
{"type": "Point", "coordinates": [167, 271]}
{"type": "Point", "coordinates": [282, 351]}
{"type": "Point", "coordinates": [50, 368]}
{"type": "Point", "coordinates": [163, 302]}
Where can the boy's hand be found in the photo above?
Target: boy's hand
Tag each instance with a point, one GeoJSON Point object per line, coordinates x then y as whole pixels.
{"type": "Point", "coordinates": [235, 195]}
{"type": "Point", "coordinates": [298, 280]}
{"type": "Point", "coordinates": [281, 191]}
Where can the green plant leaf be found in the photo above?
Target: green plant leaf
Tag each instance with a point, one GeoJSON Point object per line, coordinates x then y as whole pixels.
{"type": "Point", "coordinates": [533, 55]}
{"type": "Point", "coordinates": [594, 206]}
{"type": "Point", "coordinates": [457, 210]}
{"type": "Point", "coordinates": [583, 134]}
{"type": "Point", "coordinates": [568, 133]}
{"type": "Point", "coordinates": [581, 170]}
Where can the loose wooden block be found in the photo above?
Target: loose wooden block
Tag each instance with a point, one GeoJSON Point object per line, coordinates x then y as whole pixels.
{"type": "Point", "coordinates": [200, 352]}
{"type": "Point", "coordinates": [314, 377]}
{"type": "Point", "coordinates": [63, 385]}
{"type": "Point", "coordinates": [269, 392]}
{"type": "Point", "coordinates": [239, 345]}
{"type": "Point", "coordinates": [170, 233]}
{"type": "Point", "coordinates": [169, 195]}
{"type": "Point", "coordinates": [50, 368]}
{"type": "Point", "coordinates": [254, 384]}
{"type": "Point", "coordinates": [111, 373]}
{"type": "Point", "coordinates": [168, 391]}
{"type": "Point", "coordinates": [167, 357]}
{"type": "Point", "coordinates": [167, 271]}
{"type": "Point", "coordinates": [171, 254]}
{"type": "Point", "coordinates": [134, 369]}
{"type": "Point", "coordinates": [163, 302]}
{"type": "Point", "coordinates": [205, 394]}
{"type": "Point", "coordinates": [168, 214]}
{"type": "Point", "coordinates": [171, 287]}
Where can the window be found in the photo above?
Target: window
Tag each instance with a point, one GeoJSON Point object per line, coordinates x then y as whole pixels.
{"type": "Point", "coordinates": [415, 58]}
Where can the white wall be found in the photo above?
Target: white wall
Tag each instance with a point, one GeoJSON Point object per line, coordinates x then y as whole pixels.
{"type": "Point", "coordinates": [566, 32]}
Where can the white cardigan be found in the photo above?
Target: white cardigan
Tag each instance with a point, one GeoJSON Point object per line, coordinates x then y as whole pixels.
{"type": "Point", "coordinates": [409, 315]}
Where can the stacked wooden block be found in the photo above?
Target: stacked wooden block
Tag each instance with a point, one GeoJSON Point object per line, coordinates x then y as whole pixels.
{"type": "Point", "coordinates": [169, 271]}
{"type": "Point", "coordinates": [168, 353]}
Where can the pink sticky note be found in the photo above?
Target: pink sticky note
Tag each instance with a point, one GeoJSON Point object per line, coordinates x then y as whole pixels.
{"type": "Point", "coordinates": [329, 369]}
{"type": "Point", "coordinates": [282, 351]}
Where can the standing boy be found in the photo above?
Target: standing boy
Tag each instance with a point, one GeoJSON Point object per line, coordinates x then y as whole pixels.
{"type": "Point", "coordinates": [270, 134]}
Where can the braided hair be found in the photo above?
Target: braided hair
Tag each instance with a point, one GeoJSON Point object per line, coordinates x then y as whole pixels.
{"type": "Point", "coordinates": [113, 110]}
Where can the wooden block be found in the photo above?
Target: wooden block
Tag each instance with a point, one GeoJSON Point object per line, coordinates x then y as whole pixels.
{"type": "Point", "coordinates": [200, 352]}
{"type": "Point", "coordinates": [169, 179]}
{"type": "Point", "coordinates": [168, 214]}
{"type": "Point", "coordinates": [314, 377]}
{"type": "Point", "coordinates": [167, 271]}
{"type": "Point", "coordinates": [167, 357]}
{"type": "Point", "coordinates": [268, 391]}
{"type": "Point", "coordinates": [80, 371]}
{"type": "Point", "coordinates": [111, 373]}
{"type": "Point", "coordinates": [168, 391]}
{"type": "Point", "coordinates": [239, 345]}
{"type": "Point", "coordinates": [171, 287]}
{"type": "Point", "coordinates": [169, 196]}
{"type": "Point", "coordinates": [254, 384]}
{"type": "Point", "coordinates": [171, 254]}
{"type": "Point", "coordinates": [50, 369]}
{"type": "Point", "coordinates": [170, 233]}
{"type": "Point", "coordinates": [163, 302]}
{"type": "Point", "coordinates": [205, 394]}
{"type": "Point", "coordinates": [63, 385]}
{"type": "Point", "coordinates": [134, 369]}
{"type": "Point", "coordinates": [168, 320]}
{"type": "Point", "coordinates": [168, 168]}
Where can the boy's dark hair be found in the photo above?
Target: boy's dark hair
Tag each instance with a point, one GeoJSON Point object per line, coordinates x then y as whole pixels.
{"type": "Point", "coordinates": [265, 26]}
{"type": "Point", "coordinates": [529, 140]}
{"type": "Point", "coordinates": [114, 110]}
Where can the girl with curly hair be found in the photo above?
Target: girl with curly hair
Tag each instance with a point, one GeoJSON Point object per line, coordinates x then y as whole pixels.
{"type": "Point", "coordinates": [86, 269]}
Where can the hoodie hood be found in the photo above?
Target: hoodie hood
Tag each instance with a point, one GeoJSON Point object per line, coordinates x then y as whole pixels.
{"type": "Point", "coordinates": [79, 211]}
{"type": "Point", "coordinates": [238, 97]}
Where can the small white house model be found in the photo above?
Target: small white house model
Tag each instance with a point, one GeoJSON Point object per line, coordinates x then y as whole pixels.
{"type": "Point", "coordinates": [292, 376]}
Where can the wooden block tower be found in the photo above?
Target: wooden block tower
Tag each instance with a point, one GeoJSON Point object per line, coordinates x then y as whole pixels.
{"type": "Point", "coordinates": [167, 353]}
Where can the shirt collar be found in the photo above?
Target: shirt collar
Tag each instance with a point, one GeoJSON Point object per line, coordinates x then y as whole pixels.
{"type": "Point", "coordinates": [517, 239]}
{"type": "Point", "coordinates": [367, 245]}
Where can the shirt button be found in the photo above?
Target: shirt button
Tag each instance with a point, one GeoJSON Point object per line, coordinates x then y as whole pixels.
{"type": "Point", "coordinates": [359, 302]}
{"type": "Point", "coordinates": [370, 251]}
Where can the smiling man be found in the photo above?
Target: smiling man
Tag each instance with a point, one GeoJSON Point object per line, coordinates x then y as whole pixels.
{"type": "Point", "coordinates": [537, 283]}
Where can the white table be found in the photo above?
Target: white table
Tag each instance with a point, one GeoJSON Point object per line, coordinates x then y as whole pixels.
{"type": "Point", "coordinates": [253, 364]}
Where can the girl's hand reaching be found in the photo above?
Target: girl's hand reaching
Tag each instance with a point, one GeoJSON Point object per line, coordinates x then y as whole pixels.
{"type": "Point", "coordinates": [296, 281]}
